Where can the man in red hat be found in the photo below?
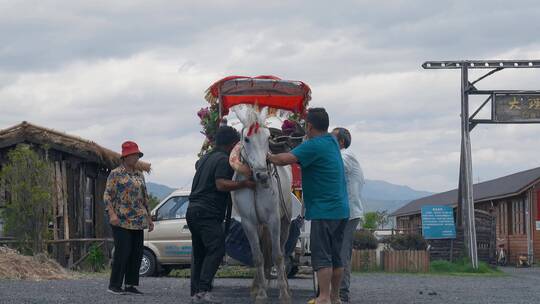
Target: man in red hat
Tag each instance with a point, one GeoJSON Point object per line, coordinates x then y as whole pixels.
{"type": "Point", "coordinates": [126, 201]}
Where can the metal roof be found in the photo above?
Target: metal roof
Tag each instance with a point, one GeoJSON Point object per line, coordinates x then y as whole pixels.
{"type": "Point", "coordinates": [502, 187]}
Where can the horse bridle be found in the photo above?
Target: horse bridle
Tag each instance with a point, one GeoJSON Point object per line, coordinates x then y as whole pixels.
{"type": "Point", "coordinates": [253, 129]}
{"type": "Point", "coordinates": [244, 156]}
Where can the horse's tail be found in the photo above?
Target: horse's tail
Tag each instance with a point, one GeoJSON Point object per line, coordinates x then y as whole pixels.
{"type": "Point", "coordinates": [266, 249]}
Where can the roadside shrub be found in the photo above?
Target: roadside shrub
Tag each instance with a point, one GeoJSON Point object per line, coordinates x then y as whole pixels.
{"type": "Point", "coordinates": [28, 180]}
{"type": "Point", "coordinates": [364, 239]}
{"type": "Point", "coordinates": [406, 242]}
{"type": "Point", "coordinates": [96, 258]}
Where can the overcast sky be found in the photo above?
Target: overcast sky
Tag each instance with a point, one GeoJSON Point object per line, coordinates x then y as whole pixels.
{"type": "Point", "coordinates": [115, 70]}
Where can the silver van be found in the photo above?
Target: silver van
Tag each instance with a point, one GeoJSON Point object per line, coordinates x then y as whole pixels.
{"type": "Point", "coordinates": [168, 246]}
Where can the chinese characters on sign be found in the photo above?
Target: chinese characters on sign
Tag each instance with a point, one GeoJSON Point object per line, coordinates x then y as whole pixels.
{"type": "Point", "coordinates": [516, 108]}
{"type": "Point", "coordinates": [438, 222]}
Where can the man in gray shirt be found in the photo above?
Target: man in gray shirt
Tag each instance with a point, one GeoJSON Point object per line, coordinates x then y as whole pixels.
{"type": "Point", "coordinates": [355, 182]}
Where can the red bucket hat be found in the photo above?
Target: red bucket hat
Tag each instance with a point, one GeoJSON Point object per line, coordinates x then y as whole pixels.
{"type": "Point", "coordinates": [129, 148]}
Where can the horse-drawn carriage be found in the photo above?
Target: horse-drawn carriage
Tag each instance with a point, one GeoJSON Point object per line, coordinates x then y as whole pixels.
{"type": "Point", "coordinates": [286, 99]}
{"type": "Point", "coordinates": [252, 104]}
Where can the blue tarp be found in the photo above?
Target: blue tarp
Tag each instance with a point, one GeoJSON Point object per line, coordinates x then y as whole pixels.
{"type": "Point", "coordinates": [237, 244]}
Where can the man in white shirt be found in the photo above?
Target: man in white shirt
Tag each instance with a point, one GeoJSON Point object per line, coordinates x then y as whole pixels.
{"type": "Point", "coordinates": [355, 182]}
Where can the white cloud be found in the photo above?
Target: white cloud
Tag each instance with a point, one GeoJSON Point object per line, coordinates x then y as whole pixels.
{"type": "Point", "coordinates": [111, 71]}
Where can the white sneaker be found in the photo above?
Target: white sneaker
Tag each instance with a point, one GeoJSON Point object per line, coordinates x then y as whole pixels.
{"type": "Point", "coordinates": [196, 298]}
{"type": "Point", "coordinates": [207, 297]}
{"type": "Point", "coordinates": [116, 291]}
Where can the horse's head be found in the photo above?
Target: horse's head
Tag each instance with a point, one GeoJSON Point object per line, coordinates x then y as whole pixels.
{"type": "Point", "coordinates": [255, 136]}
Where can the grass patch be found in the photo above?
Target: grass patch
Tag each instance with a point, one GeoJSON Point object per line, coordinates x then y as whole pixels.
{"type": "Point", "coordinates": [441, 267]}
{"type": "Point", "coordinates": [463, 267]}
{"type": "Point", "coordinates": [225, 272]}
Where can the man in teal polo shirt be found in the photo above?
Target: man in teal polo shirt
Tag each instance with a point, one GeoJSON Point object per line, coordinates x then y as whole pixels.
{"type": "Point", "coordinates": [326, 200]}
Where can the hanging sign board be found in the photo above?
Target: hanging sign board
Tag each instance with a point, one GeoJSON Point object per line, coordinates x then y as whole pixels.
{"type": "Point", "coordinates": [516, 107]}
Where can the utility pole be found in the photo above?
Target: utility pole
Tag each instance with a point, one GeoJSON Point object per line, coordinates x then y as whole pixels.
{"type": "Point", "coordinates": [507, 107]}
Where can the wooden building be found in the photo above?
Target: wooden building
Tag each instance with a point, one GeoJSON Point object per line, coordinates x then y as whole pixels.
{"type": "Point", "coordinates": [81, 168]}
{"type": "Point", "coordinates": [513, 200]}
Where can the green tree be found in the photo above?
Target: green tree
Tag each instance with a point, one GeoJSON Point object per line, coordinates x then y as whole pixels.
{"type": "Point", "coordinates": [375, 220]}
{"type": "Point", "coordinates": [28, 179]}
{"type": "Point", "coordinates": [370, 220]}
{"type": "Point", "coordinates": [153, 201]}
{"type": "Point", "coordinates": [382, 219]}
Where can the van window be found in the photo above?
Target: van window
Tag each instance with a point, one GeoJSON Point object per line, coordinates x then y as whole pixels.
{"type": "Point", "coordinates": [174, 208]}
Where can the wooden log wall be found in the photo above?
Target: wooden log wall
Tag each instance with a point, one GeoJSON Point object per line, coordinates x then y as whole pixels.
{"type": "Point", "coordinates": [447, 249]}
{"type": "Point", "coordinates": [60, 212]}
{"type": "Point", "coordinates": [535, 216]}
{"type": "Point", "coordinates": [102, 227]}
{"type": "Point", "coordinates": [452, 249]}
{"type": "Point", "coordinates": [77, 208]}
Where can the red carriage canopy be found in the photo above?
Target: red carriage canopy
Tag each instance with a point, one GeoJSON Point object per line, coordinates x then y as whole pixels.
{"type": "Point", "coordinates": [263, 91]}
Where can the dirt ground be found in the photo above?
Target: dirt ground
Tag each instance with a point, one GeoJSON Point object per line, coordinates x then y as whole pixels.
{"type": "Point", "coordinates": [516, 286]}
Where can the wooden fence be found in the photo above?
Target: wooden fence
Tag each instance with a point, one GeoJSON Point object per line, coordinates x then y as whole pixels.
{"type": "Point", "coordinates": [405, 261]}
{"type": "Point", "coordinates": [364, 260]}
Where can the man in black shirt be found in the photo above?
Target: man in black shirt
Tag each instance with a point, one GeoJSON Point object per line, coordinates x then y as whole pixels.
{"type": "Point", "coordinates": [207, 205]}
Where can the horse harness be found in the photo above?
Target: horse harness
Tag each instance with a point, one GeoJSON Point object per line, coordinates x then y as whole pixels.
{"type": "Point", "coordinates": [271, 170]}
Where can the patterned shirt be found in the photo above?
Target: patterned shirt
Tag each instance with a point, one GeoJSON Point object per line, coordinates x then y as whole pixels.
{"type": "Point", "coordinates": [126, 193]}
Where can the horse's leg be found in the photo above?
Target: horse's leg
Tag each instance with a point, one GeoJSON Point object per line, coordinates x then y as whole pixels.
{"type": "Point", "coordinates": [286, 209]}
{"type": "Point", "coordinates": [266, 248]}
{"type": "Point", "coordinates": [286, 205]}
{"type": "Point", "coordinates": [284, 236]}
{"type": "Point", "coordinates": [243, 201]}
{"type": "Point", "coordinates": [258, 289]}
{"type": "Point", "coordinates": [275, 232]}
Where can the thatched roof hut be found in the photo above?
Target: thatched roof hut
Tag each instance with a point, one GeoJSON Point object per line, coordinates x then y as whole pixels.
{"type": "Point", "coordinates": [86, 149]}
{"type": "Point", "coordinates": [80, 169]}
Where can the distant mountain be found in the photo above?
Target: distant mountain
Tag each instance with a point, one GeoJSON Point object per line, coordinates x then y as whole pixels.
{"type": "Point", "coordinates": [158, 190]}
{"type": "Point", "coordinates": [386, 191]}
{"type": "Point", "coordinates": [371, 204]}
{"type": "Point", "coordinates": [377, 195]}
{"type": "Point", "coordinates": [381, 195]}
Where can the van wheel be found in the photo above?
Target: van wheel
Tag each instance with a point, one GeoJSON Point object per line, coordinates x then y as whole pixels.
{"type": "Point", "coordinates": [148, 264]}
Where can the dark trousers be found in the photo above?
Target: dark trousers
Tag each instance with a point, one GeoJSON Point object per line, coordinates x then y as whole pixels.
{"type": "Point", "coordinates": [346, 254]}
{"type": "Point", "coordinates": [208, 243]}
{"type": "Point", "coordinates": [128, 251]}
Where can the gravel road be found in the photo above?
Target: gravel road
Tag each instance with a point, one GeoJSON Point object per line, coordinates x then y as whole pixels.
{"type": "Point", "coordinates": [518, 286]}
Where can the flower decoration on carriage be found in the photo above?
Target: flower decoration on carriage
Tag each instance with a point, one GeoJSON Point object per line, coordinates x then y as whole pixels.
{"type": "Point", "coordinates": [261, 91]}
{"type": "Point", "coordinates": [209, 120]}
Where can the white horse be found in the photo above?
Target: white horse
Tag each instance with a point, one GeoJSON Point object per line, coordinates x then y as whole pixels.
{"type": "Point", "coordinates": [265, 211]}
